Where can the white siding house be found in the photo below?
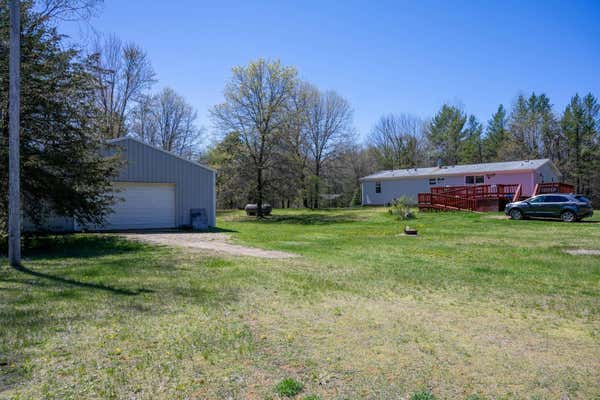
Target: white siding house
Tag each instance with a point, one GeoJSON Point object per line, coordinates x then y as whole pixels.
{"type": "Point", "coordinates": [385, 186]}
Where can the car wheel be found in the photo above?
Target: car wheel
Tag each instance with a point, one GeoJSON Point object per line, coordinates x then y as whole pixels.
{"type": "Point", "coordinates": [516, 214]}
{"type": "Point", "coordinates": [568, 216]}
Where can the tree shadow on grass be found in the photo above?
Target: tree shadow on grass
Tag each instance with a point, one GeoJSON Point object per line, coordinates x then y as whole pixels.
{"type": "Point", "coordinates": [78, 246]}
{"type": "Point", "coordinates": [50, 247]}
{"type": "Point", "coordinates": [73, 282]}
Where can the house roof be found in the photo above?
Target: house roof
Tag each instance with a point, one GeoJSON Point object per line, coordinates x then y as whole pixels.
{"type": "Point", "coordinates": [121, 139]}
{"type": "Point", "coordinates": [508, 166]}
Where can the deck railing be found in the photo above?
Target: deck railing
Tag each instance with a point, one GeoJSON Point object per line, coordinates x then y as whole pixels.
{"type": "Point", "coordinates": [478, 191]}
{"type": "Point", "coordinates": [447, 202]}
{"type": "Point", "coordinates": [553, 187]}
{"type": "Point", "coordinates": [476, 197]}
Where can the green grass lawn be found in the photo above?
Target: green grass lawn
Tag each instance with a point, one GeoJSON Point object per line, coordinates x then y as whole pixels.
{"type": "Point", "coordinates": [475, 305]}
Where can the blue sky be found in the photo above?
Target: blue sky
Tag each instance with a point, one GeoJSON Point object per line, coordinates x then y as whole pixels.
{"type": "Point", "coordinates": [384, 57]}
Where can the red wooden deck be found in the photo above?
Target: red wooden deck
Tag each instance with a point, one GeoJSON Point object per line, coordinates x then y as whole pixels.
{"type": "Point", "coordinates": [553, 187]}
{"type": "Point", "coordinates": [481, 197]}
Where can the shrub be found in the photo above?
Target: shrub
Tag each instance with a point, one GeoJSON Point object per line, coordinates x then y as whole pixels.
{"type": "Point", "coordinates": [288, 387]}
{"type": "Point", "coordinates": [423, 395]}
{"type": "Point", "coordinates": [401, 207]}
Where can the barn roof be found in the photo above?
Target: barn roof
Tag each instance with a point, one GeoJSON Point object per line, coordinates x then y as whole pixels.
{"type": "Point", "coordinates": [121, 139]}
{"type": "Point", "coordinates": [507, 166]}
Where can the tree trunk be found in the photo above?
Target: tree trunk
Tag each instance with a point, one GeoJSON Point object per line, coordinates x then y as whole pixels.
{"type": "Point", "coordinates": [259, 192]}
{"type": "Point", "coordinates": [578, 160]}
{"type": "Point", "coordinates": [317, 173]}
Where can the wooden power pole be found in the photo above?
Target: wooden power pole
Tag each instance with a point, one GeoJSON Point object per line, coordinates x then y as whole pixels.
{"type": "Point", "coordinates": [14, 118]}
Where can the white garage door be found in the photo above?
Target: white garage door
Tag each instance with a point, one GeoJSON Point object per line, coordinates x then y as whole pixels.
{"type": "Point", "coordinates": [143, 206]}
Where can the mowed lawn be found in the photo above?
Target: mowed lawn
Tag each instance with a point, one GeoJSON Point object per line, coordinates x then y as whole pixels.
{"type": "Point", "coordinates": [476, 305]}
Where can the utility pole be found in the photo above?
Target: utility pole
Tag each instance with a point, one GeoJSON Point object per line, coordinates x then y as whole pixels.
{"type": "Point", "coordinates": [14, 119]}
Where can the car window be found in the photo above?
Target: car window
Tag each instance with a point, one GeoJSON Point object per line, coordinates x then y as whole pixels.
{"type": "Point", "coordinates": [582, 199]}
{"type": "Point", "coordinates": [538, 199]}
{"type": "Point", "coordinates": [555, 199]}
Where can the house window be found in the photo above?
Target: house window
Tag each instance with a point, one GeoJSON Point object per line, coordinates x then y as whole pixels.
{"type": "Point", "coordinates": [377, 187]}
{"type": "Point", "coordinates": [432, 181]}
{"type": "Point", "coordinates": [473, 179]}
{"type": "Point", "coordinates": [440, 180]}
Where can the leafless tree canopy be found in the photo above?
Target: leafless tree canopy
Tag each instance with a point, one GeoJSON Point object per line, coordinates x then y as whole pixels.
{"type": "Point", "coordinates": [68, 10]}
{"type": "Point", "coordinates": [123, 72]}
{"type": "Point", "coordinates": [329, 125]}
{"type": "Point", "coordinates": [329, 122]}
{"type": "Point", "coordinates": [167, 121]}
{"type": "Point", "coordinates": [398, 140]}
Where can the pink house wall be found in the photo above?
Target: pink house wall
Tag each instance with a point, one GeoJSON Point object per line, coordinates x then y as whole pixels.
{"type": "Point", "coordinates": [526, 179]}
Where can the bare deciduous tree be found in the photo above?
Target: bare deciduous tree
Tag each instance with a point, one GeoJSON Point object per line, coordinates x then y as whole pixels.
{"type": "Point", "coordinates": [398, 140]}
{"type": "Point", "coordinates": [256, 103]}
{"type": "Point", "coordinates": [123, 72]}
{"type": "Point", "coordinates": [167, 121]}
{"type": "Point", "coordinates": [329, 119]}
{"type": "Point", "coordinates": [68, 10]}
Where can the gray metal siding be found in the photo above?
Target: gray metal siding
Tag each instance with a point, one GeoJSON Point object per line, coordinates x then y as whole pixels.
{"type": "Point", "coordinates": [194, 185]}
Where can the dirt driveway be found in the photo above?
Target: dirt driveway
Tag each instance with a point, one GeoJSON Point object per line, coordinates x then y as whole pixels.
{"type": "Point", "coordinates": [214, 242]}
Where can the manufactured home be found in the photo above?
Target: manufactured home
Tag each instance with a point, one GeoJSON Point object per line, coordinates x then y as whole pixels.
{"type": "Point", "coordinates": [383, 187]}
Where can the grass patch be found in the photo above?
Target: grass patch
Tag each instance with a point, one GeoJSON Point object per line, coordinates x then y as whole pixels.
{"type": "Point", "coordinates": [472, 305]}
{"type": "Point", "coordinates": [288, 387]}
{"type": "Point", "coordinates": [423, 395]}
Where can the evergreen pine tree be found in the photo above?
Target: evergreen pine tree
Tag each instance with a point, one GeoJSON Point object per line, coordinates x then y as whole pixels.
{"type": "Point", "coordinates": [446, 134]}
{"type": "Point", "coordinates": [472, 147]}
{"type": "Point", "coordinates": [496, 136]}
{"type": "Point", "coordinates": [62, 168]}
{"type": "Point", "coordinates": [579, 124]}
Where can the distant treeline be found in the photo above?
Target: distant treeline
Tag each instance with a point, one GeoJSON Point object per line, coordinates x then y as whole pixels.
{"type": "Point", "coordinates": [290, 144]}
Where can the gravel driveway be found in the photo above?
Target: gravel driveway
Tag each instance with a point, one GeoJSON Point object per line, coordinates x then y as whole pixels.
{"type": "Point", "coordinates": [215, 242]}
